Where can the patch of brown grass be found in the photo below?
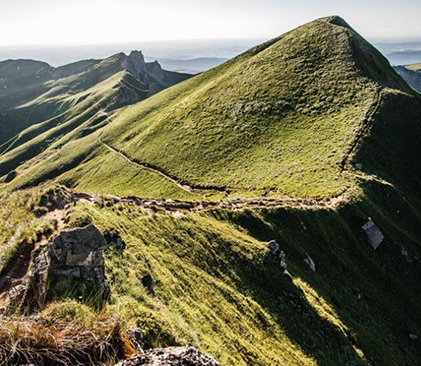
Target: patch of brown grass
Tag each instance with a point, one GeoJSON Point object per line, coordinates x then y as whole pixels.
{"type": "Point", "coordinates": [59, 342]}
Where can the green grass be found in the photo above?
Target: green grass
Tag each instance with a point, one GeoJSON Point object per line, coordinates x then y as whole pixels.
{"type": "Point", "coordinates": [19, 226]}
{"type": "Point", "coordinates": [37, 109]}
{"type": "Point", "coordinates": [283, 118]}
{"type": "Point", "coordinates": [110, 173]}
{"type": "Point", "coordinates": [219, 288]}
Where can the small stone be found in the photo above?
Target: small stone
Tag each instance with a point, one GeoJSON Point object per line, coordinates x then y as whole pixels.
{"type": "Point", "coordinates": [405, 254]}
{"type": "Point", "coordinates": [374, 234]}
{"type": "Point", "coordinates": [282, 261]}
{"type": "Point", "coordinates": [413, 337]}
{"type": "Point", "coordinates": [273, 246]}
{"type": "Point", "coordinates": [358, 166]}
{"type": "Point", "coordinates": [310, 263]}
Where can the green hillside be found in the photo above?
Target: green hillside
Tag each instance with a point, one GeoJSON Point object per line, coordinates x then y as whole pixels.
{"type": "Point", "coordinates": [40, 104]}
{"type": "Point", "coordinates": [282, 118]}
{"type": "Point", "coordinates": [302, 140]}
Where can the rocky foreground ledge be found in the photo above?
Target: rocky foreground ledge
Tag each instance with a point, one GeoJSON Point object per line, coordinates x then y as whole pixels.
{"type": "Point", "coordinates": [170, 356]}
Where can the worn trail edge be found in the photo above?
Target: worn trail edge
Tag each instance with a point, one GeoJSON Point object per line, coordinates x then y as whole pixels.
{"type": "Point", "coordinates": [15, 274]}
{"type": "Point", "coordinates": [229, 205]}
{"type": "Point", "coordinates": [182, 185]}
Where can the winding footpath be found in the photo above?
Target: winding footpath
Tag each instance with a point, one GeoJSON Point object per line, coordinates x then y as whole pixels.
{"type": "Point", "coordinates": [184, 187]}
{"type": "Point", "coordinates": [262, 202]}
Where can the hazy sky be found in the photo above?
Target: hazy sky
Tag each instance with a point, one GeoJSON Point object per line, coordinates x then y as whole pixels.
{"type": "Point", "coordinates": [63, 22]}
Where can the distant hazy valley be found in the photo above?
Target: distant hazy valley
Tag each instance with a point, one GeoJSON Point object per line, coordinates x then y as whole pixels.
{"type": "Point", "coordinates": [186, 56]}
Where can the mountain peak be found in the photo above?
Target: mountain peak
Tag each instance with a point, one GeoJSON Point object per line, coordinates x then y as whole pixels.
{"type": "Point", "coordinates": [134, 63]}
{"type": "Point", "coordinates": [337, 20]}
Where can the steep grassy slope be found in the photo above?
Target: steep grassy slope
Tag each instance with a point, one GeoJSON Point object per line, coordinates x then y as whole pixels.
{"type": "Point", "coordinates": [218, 287]}
{"type": "Point", "coordinates": [283, 116]}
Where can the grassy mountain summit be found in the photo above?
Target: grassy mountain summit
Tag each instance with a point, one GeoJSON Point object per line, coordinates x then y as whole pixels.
{"type": "Point", "coordinates": [283, 116]}
{"type": "Point", "coordinates": [305, 140]}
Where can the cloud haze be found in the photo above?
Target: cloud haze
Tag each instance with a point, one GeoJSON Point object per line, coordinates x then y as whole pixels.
{"type": "Point", "coordinates": [113, 21]}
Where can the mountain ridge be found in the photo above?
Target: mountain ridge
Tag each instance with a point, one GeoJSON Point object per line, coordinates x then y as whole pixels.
{"type": "Point", "coordinates": [55, 96]}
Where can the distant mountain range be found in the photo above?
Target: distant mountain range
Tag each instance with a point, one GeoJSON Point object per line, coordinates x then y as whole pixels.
{"type": "Point", "coordinates": [37, 99]}
{"type": "Point", "coordinates": [192, 66]}
{"type": "Point", "coordinates": [404, 57]}
{"type": "Point", "coordinates": [411, 74]}
{"type": "Point", "coordinates": [185, 56]}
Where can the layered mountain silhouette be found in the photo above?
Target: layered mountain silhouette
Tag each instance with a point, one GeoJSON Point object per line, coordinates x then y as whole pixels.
{"type": "Point", "coordinates": [40, 97]}
{"type": "Point", "coordinates": [411, 74]}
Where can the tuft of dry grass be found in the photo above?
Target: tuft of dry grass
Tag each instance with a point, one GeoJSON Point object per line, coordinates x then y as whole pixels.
{"type": "Point", "coordinates": [42, 341]}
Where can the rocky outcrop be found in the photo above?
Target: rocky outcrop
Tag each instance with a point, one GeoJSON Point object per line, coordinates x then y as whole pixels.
{"type": "Point", "coordinates": [56, 198]}
{"type": "Point", "coordinates": [75, 254]}
{"type": "Point", "coordinates": [373, 233]}
{"type": "Point", "coordinates": [273, 247]}
{"type": "Point", "coordinates": [170, 356]}
{"type": "Point", "coordinates": [156, 71]}
{"type": "Point", "coordinates": [275, 250]}
{"type": "Point", "coordinates": [151, 76]}
{"type": "Point", "coordinates": [135, 64]}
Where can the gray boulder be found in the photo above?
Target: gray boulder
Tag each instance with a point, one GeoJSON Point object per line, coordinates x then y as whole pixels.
{"type": "Point", "coordinates": [310, 263]}
{"type": "Point", "coordinates": [282, 260]}
{"type": "Point", "coordinates": [75, 253]}
{"type": "Point", "coordinates": [373, 233]}
{"type": "Point", "coordinates": [170, 356]}
{"type": "Point", "coordinates": [273, 246]}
